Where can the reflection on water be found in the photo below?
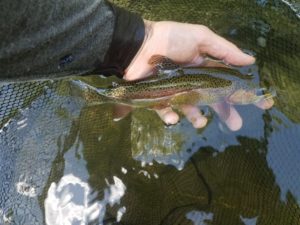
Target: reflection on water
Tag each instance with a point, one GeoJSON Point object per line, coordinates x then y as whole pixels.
{"type": "Point", "coordinates": [69, 201]}
{"type": "Point", "coordinates": [64, 161]}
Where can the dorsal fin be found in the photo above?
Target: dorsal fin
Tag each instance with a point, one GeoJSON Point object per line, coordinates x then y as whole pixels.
{"type": "Point", "coordinates": [157, 59]}
{"type": "Point", "coordinates": [163, 62]}
{"type": "Point", "coordinates": [163, 65]}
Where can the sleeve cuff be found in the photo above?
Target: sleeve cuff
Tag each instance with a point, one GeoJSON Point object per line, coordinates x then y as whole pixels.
{"type": "Point", "coordinates": [128, 37]}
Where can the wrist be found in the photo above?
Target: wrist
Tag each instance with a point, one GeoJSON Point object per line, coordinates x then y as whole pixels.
{"type": "Point", "coordinates": [127, 39]}
{"type": "Point", "coordinates": [155, 43]}
{"type": "Point", "coordinates": [148, 30]}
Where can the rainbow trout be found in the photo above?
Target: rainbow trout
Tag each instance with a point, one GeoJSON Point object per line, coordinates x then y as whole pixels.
{"type": "Point", "coordinates": [174, 86]}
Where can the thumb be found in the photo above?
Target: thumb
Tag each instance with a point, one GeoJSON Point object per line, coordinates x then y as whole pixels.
{"type": "Point", "coordinates": [139, 68]}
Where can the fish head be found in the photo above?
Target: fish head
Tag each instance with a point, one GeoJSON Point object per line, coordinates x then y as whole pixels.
{"type": "Point", "coordinates": [252, 96]}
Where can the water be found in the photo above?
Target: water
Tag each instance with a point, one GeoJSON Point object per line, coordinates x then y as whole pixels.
{"type": "Point", "coordinates": [63, 161]}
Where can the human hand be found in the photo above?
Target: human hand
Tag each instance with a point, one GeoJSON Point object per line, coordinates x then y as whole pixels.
{"type": "Point", "coordinates": [188, 44]}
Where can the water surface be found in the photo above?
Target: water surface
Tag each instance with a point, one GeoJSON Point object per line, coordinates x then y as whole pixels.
{"type": "Point", "coordinates": [64, 161]}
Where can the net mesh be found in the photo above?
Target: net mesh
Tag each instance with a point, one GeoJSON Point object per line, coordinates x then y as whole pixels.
{"type": "Point", "coordinates": [255, 180]}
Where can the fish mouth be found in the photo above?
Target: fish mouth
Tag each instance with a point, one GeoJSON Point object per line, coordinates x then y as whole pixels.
{"type": "Point", "coordinates": [265, 93]}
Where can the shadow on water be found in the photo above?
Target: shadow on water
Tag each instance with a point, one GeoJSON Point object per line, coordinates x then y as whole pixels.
{"type": "Point", "coordinates": [64, 161]}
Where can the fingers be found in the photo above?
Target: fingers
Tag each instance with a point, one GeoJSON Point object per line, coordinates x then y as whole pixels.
{"type": "Point", "coordinates": [193, 114]}
{"type": "Point", "coordinates": [228, 115]}
{"type": "Point", "coordinates": [232, 118]}
{"type": "Point", "coordinates": [226, 112]}
{"type": "Point", "coordinates": [168, 116]}
{"type": "Point", "coordinates": [220, 48]}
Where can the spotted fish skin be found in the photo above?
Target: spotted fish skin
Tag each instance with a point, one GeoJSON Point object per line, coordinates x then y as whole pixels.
{"type": "Point", "coordinates": [184, 85]}
{"type": "Point", "coordinates": [166, 87]}
{"type": "Point", "coordinates": [189, 86]}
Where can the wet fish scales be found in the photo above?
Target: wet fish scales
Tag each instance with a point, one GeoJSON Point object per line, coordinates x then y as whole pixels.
{"type": "Point", "coordinates": [184, 85]}
{"type": "Point", "coordinates": [167, 86]}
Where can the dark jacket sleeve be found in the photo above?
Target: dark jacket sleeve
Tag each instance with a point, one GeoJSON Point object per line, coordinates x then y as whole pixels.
{"type": "Point", "coordinates": [50, 39]}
